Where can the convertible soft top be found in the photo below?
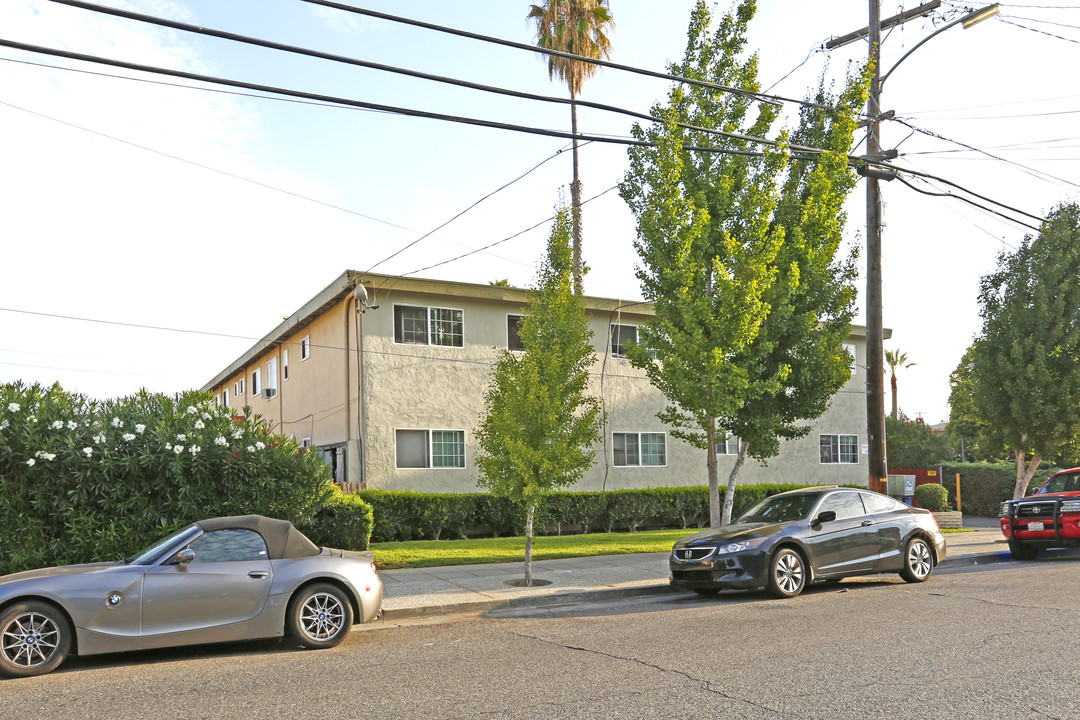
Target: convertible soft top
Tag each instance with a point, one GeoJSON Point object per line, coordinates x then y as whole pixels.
{"type": "Point", "coordinates": [283, 541]}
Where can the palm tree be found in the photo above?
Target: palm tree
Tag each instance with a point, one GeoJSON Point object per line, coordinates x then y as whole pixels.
{"type": "Point", "coordinates": [578, 27]}
{"type": "Point", "coordinates": [895, 359]}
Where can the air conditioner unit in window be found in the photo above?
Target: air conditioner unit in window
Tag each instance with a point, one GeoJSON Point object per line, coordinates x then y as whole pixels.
{"type": "Point", "coordinates": [269, 393]}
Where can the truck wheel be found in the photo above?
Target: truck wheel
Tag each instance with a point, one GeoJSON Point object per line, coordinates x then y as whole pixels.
{"type": "Point", "coordinates": [1022, 551]}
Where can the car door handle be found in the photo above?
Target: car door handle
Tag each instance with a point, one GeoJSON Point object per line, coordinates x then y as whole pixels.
{"type": "Point", "coordinates": [867, 523]}
{"type": "Point", "coordinates": [258, 574]}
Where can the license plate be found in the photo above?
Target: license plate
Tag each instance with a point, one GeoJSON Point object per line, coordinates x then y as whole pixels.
{"type": "Point", "coordinates": [1035, 525]}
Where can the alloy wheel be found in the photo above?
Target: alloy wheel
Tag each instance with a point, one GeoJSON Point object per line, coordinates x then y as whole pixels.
{"type": "Point", "coordinates": [29, 640]}
{"type": "Point", "coordinates": [321, 616]}
{"type": "Point", "coordinates": [919, 559]}
{"type": "Point", "coordinates": [789, 573]}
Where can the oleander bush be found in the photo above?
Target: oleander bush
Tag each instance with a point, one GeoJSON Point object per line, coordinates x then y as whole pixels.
{"type": "Point", "coordinates": [344, 522]}
{"type": "Point", "coordinates": [84, 480]}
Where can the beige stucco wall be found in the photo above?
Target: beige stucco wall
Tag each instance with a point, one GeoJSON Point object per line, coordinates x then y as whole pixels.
{"type": "Point", "coordinates": [442, 388]}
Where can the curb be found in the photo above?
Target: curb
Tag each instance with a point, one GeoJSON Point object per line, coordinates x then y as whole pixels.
{"type": "Point", "coordinates": [607, 594]}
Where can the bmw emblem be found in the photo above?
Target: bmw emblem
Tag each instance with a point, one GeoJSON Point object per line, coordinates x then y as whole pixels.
{"type": "Point", "coordinates": [115, 599]}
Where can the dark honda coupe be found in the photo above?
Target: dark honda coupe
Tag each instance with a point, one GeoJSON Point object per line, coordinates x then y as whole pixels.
{"type": "Point", "coordinates": [814, 533]}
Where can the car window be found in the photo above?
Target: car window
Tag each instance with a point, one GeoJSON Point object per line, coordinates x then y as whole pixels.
{"type": "Point", "coordinates": [876, 503]}
{"type": "Point", "coordinates": [229, 546]}
{"type": "Point", "coordinates": [148, 555]}
{"type": "Point", "coordinates": [845, 504]}
{"type": "Point", "coordinates": [1066, 482]}
{"type": "Point", "coordinates": [780, 508]}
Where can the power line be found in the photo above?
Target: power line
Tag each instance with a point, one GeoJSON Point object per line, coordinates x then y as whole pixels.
{"type": "Point", "coordinates": [1035, 30]}
{"type": "Point", "coordinates": [247, 39]}
{"type": "Point", "coordinates": [919, 173]}
{"type": "Point", "coordinates": [967, 200]}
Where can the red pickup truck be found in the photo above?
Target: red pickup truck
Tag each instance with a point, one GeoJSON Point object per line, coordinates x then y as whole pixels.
{"type": "Point", "coordinates": [1049, 518]}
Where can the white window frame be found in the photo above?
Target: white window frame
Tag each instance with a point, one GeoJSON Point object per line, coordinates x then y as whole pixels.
{"type": "Point", "coordinates": [305, 348]}
{"type": "Point", "coordinates": [723, 447]}
{"type": "Point", "coordinates": [429, 325]}
{"type": "Point", "coordinates": [305, 443]}
{"type": "Point", "coordinates": [431, 449]}
{"type": "Point", "coordinates": [285, 364]}
{"type": "Point", "coordinates": [272, 376]}
{"type": "Point", "coordinates": [256, 381]}
{"type": "Point", "coordinates": [611, 338]}
{"type": "Point", "coordinates": [242, 383]}
{"type": "Point", "coordinates": [640, 455]}
{"type": "Point", "coordinates": [850, 347]}
{"type": "Point", "coordinates": [508, 316]}
{"type": "Point", "coordinates": [225, 397]}
{"type": "Point", "coordinates": [835, 449]}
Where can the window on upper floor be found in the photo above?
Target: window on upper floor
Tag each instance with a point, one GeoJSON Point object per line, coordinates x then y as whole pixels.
{"type": "Point", "coordinates": [621, 336]}
{"type": "Point", "coordinates": [513, 333]}
{"type": "Point", "coordinates": [639, 449]}
{"type": "Point", "coordinates": [415, 325]}
{"type": "Point", "coordinates": [285, 364]}
{"type": "Point", "coordinates": [305, 348]}
{"type": "Point", "coordinates": [850, 349]}
{"type": "Point", "coordinates": [429, 448]}
{"type": "Point", "coordinates": [838, 449]}
{"type": "Point", "coordinates": [271, 377]}
{"type": "Point", "coordinates": [256, 381]}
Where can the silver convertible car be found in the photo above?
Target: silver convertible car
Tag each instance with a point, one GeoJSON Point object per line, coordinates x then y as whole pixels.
{"type": "Point", "coordinates": [220, 580]}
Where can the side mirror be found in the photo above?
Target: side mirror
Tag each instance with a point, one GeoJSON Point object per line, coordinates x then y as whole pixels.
{"type": "Point", "coordinates": [183, 557]}
{"type": "Point", "coordinates": [825, 516]}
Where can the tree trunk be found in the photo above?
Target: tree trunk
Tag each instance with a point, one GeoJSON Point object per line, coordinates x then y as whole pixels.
{"type": "Point", "coordinates": [529, 514]}
{"type": "Point", "coordinates": [729, 498]}
{"type": "Point", "coordinates": [1024, 474]}
{"type": "Point", "coordinates": [575, 203]}
{"type": "Point", "coordinates": [892, 382]}
{"type": "Point", "coordinates": [714, 481]}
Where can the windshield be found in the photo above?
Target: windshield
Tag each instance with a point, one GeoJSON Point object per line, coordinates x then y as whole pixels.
{"type": "Point", "coordinates": [148, 555]}
{"type": "Point", "coordinates": [780, 508]}
{"type": "Point", "coordinates": [1064, 482]}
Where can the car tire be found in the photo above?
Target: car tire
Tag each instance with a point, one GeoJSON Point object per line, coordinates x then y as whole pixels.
{"type": "Point", "coordinates": [35, 637]}
{"type": "Point", "coordinates": [319, 616]}
{"type": "Point", "coordinates": [1022, 551]}
{"type": "Point", "coordinates": [787, 573]}
{"type": "Point", "coordinates": [918, 561]}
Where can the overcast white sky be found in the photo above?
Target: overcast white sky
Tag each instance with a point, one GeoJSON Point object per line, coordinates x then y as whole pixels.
{"type": "Point", "coordinates": [147, 204]}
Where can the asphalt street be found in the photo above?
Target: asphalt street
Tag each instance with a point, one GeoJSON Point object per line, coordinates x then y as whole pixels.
{"type": "Point", "coordinates": [975, 641]}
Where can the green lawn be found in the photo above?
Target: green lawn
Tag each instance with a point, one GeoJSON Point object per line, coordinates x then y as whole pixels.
{"type": "Point", "coordinates": [433, 553]}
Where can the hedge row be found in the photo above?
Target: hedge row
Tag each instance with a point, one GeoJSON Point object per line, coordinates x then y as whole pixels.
{"type": "Point", "coordinates": [403, 515]}
{"type": "Point", "coordinates": [984, 486]}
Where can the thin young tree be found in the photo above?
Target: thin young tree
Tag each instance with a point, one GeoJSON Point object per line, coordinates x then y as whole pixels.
{"type": "Point", "coordinates": [579, 27]}
{"type": "Point", "coordinates": [896, 359]}
{"type": "Point", "coordinates": [539, 427]}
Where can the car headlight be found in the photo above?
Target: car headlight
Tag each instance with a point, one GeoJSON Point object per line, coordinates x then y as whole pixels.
{"type": "Point", "coordinates": [739, 546]}
{"type": "Point", "coordinates": [1003, 511]}
{"type": "Point", "coordinates": [1070, 506]}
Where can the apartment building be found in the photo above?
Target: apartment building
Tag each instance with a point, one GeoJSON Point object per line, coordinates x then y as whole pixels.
{"type": "Point", "coordinates": [390, 388]}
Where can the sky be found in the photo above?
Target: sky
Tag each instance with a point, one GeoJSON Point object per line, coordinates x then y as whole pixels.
{"type": "Point", "coordinates": [154, 228]}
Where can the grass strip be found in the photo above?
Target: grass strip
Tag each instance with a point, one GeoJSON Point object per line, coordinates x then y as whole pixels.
{"type": "Point", "coordinates": [436, 553]}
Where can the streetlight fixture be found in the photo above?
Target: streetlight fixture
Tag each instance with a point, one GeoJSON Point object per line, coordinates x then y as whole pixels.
{"type": "Point", "coordinates": [875, 379]}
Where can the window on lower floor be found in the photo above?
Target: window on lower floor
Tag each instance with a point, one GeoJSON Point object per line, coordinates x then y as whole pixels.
{"type": "Point", "coordinates": [513, 333]}
{"type": "Point", "coordinates": [639, 449]}
{"type": "Point", "coordinates": [430, 448]}
{"type": "Point", "coordinates": [850, 350]}
{"type": "Point", "coordinates": [835, 449]}
{"type": "Point", "coordinates": [727, 445]}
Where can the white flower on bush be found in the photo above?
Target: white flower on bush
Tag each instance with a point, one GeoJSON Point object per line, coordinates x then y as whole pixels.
{"type": "Point", "coordinates": [199, 425]}
{"type": "Point", "coordinates": [220, 440]}
{"type": "Point", "coordinates": [128, 436]}
{"type": "Point", "coordinates": [194, 449]}
{"type": "Point", "coordinates": [181, 436]}
{"type": "Point", "coordinates": [57, 425]}
{"type": "Point", "coordinates": [98, 439]}
{"type": "Point", "coordinates": [88, 450]}
{"type": "Point", "coordinates": [191, 410]}
{"type": "Point", "coordinates": [31, 462]}
{"type": "Point", "coordinates": [260, 446]}
{"type": "Point", "coordinates": [140, 429]}
{"type": "Point", "coordinates": [237, 434]}
{"type": "Point", "coordinates": [207, 416]}
{"type": "Point", "coordinates": [116, 422]}
{"type": "Point", "coordinates": [251, 448]}
{"type": "Point", "coordinates": [178, 449]}
{"type": "Point", "coordinates": [168, 446]}
{"type": "Point", "coordinates": [72, 425]}
{"type": "Point", "coordinates": [4, 424]}
{"type": "Point", "coordinates": [13, 407]}
{"type": "Point", "coordinates": [33, 418]}
{"type": "Point", "coordinates": [45, 455]}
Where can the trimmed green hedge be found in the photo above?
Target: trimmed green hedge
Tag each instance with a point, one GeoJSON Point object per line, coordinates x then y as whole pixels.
{"type": "Point", "coordinates": [984, 486]}
{"type": "Point", "coordinates": [933, 497]}
{"type": "Point", "coordinates": [345, 523]}
{"type": "Point", "coordinates": [402, 515]}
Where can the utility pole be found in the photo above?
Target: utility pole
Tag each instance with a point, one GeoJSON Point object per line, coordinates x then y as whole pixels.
{"type": "Point", "coordinates": [875, 367]}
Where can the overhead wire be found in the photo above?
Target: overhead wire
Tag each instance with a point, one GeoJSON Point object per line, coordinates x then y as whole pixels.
{"type": "Point", "coordinates": [967, 200]}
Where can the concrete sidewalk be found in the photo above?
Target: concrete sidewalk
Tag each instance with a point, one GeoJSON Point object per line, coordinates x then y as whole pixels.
{"type": "Point", "coordinates": [425, 592]}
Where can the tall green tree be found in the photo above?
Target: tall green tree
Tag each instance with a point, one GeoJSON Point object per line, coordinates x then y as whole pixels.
{"type": "Point", "coordinates": [797, 362]}
{"type": "Point", "coordinates": [539, 426]}
{"type": "Point", "coordinates": [579, 27]}
{"type": "Point", "coordinates": [705, 235]}
{"type": "Point", "coordinates": [1025, 365]}
{"type": "Point", "coordinates": [896, 359]}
